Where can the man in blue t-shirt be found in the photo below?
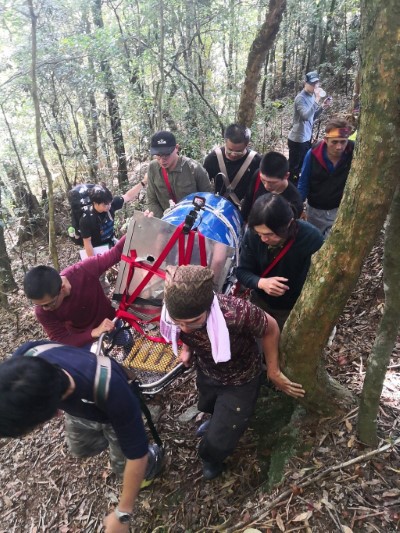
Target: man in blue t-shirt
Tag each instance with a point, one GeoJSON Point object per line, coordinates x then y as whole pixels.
{"type": "Point", "coordinates": [55, 376]}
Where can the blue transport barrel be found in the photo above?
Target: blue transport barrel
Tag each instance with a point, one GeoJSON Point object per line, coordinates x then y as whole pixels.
{"type": "Point", "coordinates": [220, 220]}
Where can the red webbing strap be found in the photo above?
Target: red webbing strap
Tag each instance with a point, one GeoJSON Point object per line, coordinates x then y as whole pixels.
{"type": "Point", "coordinates": [181, 250]}
{"type": "Point", "coordinates": [202, 249]}
{"type": "Point", "coordinates": [285, 249]}
{"type": "Point", "coordinates": [256, 186]}
{"type": "Point", "coordinates": [143, 266]}
{"type": "Point", "coordinates": [189, 247]}
{"type": "Point", "coordinates": [132, 320]}
{"type": "Point", "coordinates": [153, 270]}
{"type": "Point", "coordinates": [167, 183]}
{"type": "Point", "coordinates": [130, 260]}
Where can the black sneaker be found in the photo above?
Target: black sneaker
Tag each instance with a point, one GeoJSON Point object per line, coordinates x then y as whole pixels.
{"type": "Point", "coordinates": [155, 458]}
{"type": "Point", "coordinates": [202, 429]}
{"type": "Point", "coordinates": [212, 470]}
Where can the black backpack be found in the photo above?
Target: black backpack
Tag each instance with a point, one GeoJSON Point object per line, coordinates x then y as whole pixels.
{"type": "Point", "coordinates": [80, 202]}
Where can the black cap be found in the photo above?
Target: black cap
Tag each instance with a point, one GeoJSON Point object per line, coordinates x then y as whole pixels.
{"type": "Point", "coordinates": [162, 142]}
{"type": "Point", "coordinates": [312, 77]}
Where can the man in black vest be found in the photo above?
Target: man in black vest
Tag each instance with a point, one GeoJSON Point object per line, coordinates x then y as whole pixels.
{"type": "Point", "coordinates": [232, 166]}
{"type": "Point", "coordinates": [324, 175]}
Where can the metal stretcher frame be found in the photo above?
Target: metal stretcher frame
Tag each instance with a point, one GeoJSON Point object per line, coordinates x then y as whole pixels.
{"type": "Point", "coordinates": [140, 308]}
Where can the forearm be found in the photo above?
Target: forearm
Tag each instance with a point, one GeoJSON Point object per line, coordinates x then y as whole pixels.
{"type": "Point", "coordinates": [133, 193]}
{"type": "Point", "coordinates": [306, 109]}
{"type": "Point", "coordinates": [57, 332]}
{"type": "Point", "coordinates": [270, 344]}
{"type": "Point", "coordinates": [111, 257]}
{"type": "Point", "coordinates": [133, 476]}
{"type": "Point", "coordinates": [87, 245]}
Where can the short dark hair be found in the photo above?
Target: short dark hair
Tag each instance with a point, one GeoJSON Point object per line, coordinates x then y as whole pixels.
{"type": "Point", "coordinates": [42, 281]}
{"type": "Point", "coordinates": [274, 212]}
{"type": "Point", "coordinates": [100, 195]}
{"type": "Point", "coordinates": [237, 134]}
{"type": "Point", "coordinates": [274, 165]}
{"type": "Point", "coordinates": [30, 392]}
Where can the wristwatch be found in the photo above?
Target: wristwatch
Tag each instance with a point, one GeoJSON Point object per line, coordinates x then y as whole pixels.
{"type": "Point", "coordinates": [123, 517]}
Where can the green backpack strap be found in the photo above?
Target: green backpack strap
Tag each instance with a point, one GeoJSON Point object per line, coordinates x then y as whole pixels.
{"type": "Point", "coordinates": [102, 377]}
{"type": "Point", "coordinates": [101, 383]}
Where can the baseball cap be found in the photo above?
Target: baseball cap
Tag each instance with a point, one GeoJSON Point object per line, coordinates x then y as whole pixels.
{"type": "Point", "coordinates": [312, 77]}
{"type": "Point", "coordinates": [162, 142]}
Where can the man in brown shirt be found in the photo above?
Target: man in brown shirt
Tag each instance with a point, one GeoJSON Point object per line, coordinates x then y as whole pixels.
{"type": "Point", "coordinates": [219, 333]}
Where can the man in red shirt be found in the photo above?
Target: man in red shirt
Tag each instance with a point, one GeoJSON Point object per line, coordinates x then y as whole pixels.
{"type": "Point", "coordinates": [71, 305]}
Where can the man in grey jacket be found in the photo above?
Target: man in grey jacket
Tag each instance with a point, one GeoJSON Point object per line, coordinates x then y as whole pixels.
{"type": "Point", "coordinates": [306, 109]}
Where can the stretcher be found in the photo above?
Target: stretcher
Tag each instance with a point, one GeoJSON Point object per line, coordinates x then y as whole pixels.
{"type": "Point", "coordinates": [203, 229]}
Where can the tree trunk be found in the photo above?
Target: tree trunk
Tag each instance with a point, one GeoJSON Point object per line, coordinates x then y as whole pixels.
{"type": "Point", "coordinates": [388, 329]}
{"type": "Point", "coordinates": [327, 32]}
{"type": "Point", "coordinates": [35, 98]}
{"type": "Point", "coordinates": [15, 149]}
{"type": "Point", "coordinates": [256, 59]}
{"type": "Point", "coordinates": [113, 106]}
{"type": "Point", "coordinates": [367, 197]}
{"type": "Point", "coordinates": [7, 282]}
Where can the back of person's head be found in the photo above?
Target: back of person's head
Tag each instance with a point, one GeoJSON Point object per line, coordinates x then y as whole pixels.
{"type": "Point", "coordinates": [237, 134]}
{"type": "Point", "coordinates": [100, 195]}
{"type": "Point", "coordinates": [274, 165]}
{"type": "Point", "coordinates": [30, 392]}
{"type": "Point", "coordinates": [42, 281]}
{"type": "Point", "coordinates": [275, 212]}
{"type": "Point", "coordinates": [339, 124]}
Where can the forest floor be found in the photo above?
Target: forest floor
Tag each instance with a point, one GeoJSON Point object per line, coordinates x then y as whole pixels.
{"type": "Point", "coordinates": [45, 489]}
{"type": "Point", "coordinates": [331, 484]}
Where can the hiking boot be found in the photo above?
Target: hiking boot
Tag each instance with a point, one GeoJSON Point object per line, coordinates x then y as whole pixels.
{"type": "Point", "coordinates": [212, 470]}
{"type": "Point", "coordinates": [202, 429]}
{"type": "Point", "coordinates": [155, 458]}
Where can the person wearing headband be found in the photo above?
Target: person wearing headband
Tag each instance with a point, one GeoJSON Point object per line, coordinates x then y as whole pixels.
{"type": "Point", "coordinates": [219, 334]}
{"type": "Point", "coordinates": [231, 166]}
{"type": "Point", "coordinates": [307, 107]}
{"type": "Point", "coordinates": [324, 175]}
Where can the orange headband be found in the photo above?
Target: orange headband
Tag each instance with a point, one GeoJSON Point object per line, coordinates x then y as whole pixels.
{"type": "Point", "coordinates": [338, 132]}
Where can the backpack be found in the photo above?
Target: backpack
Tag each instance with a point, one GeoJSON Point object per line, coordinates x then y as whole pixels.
{"type": "Point", "coordinates": [80, 201]}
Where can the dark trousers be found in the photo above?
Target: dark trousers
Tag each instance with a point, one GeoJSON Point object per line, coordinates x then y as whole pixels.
{"type": "Point", "coordinates": [231, 407]}
{"type": "Point", "coordinates": [297, 153]}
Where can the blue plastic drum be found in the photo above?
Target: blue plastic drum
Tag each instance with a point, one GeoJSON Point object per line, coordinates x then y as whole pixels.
{"type": "Point", "coordinates": [220, 220]}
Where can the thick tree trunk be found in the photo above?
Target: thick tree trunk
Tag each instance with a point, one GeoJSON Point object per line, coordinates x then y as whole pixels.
{"type": "Point", "coordinates": [367, 197]}
{"type": "Point", "coordinates": [35, 98]}
{"type": "Point", "coordinates": [256, 59]}
{"type": "Point", "coordinates": [387, 332]}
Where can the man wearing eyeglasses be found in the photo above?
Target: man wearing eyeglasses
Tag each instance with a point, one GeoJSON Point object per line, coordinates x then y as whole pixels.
{"type": "Point", "coordinates": [231, 166]}
{"type": "Point", "coordinates": [307, 108]}
{"type": "Point", "coordinates": [171, 177]}
{"type": "Point", "coordinates": [324, 175]}
{"type": "Point", "coordinates": [71, 305]}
